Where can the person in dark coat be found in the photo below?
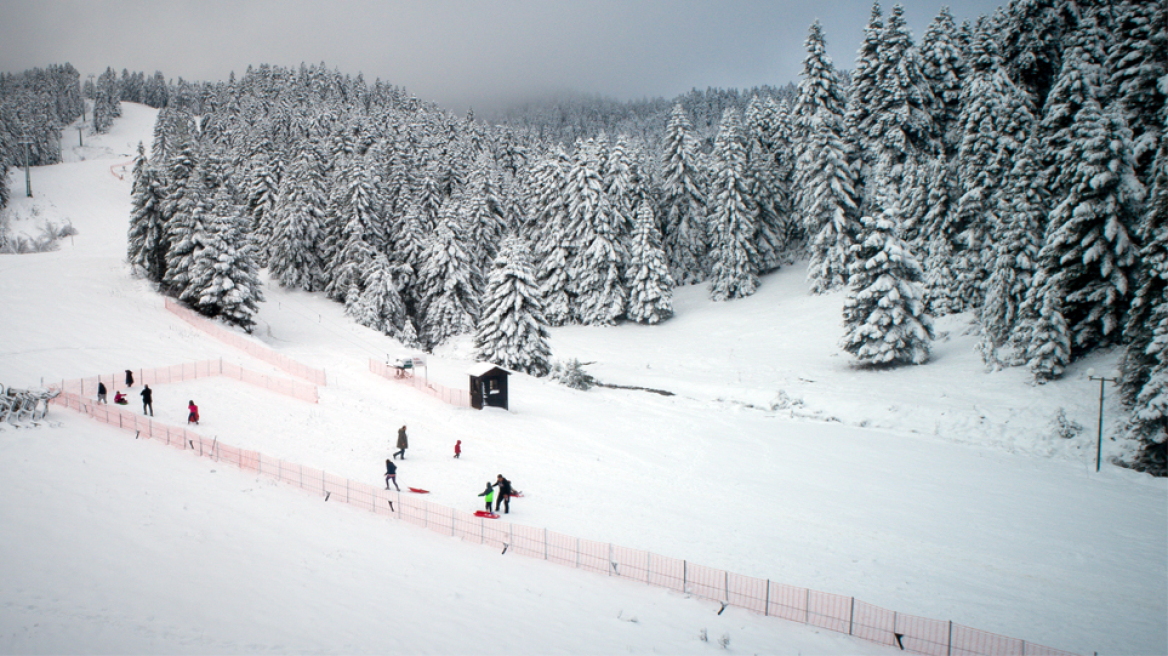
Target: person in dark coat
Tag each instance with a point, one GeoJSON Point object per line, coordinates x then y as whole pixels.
{"type": "Point", "coordinates": [504, 496]}
{"type": "Point", "coordinates": [101, 391]}
{"type": "Point", "coordinates": [148, 401]}
{"type": "Point", "coordinates": [402, 443]}
{"type": "Point", "coordinates": [129, 378]}
{"type": "Point", "coordinates": [391, 475]}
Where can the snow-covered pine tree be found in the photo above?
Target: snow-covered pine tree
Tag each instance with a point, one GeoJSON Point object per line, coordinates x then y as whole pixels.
{"type": "Point", "coordinates": [650, 287]}
{"type": "Point", "coordinates": [733, 272]}
{"type": "Point", "coordinates": [1088, 234]}
{"type": "Point", "coordinates": [1137, 60]}
{"type": "Point", "coordinates": [1145, 364]}
{"type": "Point", "coordinates": [623, 185]}
{"type": "Point", "coordinates": [683, 203]}
{"type": "Point", "coordinates": [224, 275]}
{"type": "Point", "coordinates": [824, 176]}
{"type": "Point", "coordinates": [186, 231]}
{"type": "Point", "coordinates": [297, 224]}
{"type": "Point", "coordinates": [994, 123]}
{"type": "Point", "coordinates": [361, 228]}
{"type": "Point", "coordinates": [513, 332]}
{"type": "Point", "coordinates": [380, 305]}
{"type": "Point", "coordinates": [944, 67]}
{"type": "Point", "coordinates": [482, 208]}
{"type": "Point", "coordinates": [449, 282]}
{"type": "Point", "coordinates": [262, 192]}
{"type": "Point", "coordinates": [146, 242]}
{"type": "Point", "coordinates": [547, 202]}
{"type": "Point", "coordinates": [596, 272]}
{"type": "Point", "coordinates": [1020, 211]}
{"type": "Point", "coordinates": [1048, 350]}
{"type": "Point", "coordinates": [885, 320]}
{"type": "Point", "coordinates": [785, 154]}
{"type": "Point", "coordinates": [762, 181]}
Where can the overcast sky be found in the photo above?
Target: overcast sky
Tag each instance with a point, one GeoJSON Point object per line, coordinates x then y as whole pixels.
{"type": "Point", "coordinates": [455, 52]}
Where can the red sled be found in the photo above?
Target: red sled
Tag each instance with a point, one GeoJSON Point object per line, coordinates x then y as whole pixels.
{"type": "Point", "coordinates": [515, 495]}
{"type": "Point", "coordinates": [483, 513]}
{"type": "Point", "coordinates": [418, 490]}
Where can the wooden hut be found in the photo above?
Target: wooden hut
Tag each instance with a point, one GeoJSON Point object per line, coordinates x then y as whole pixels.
{"type": "Point", "coordinates": [488, 386]}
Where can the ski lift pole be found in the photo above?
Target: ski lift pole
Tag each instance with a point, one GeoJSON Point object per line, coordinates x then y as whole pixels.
{"type": "Point", "coordinates": [26, 141]}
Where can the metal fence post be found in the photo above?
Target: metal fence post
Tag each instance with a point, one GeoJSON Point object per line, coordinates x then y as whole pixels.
{"type": "Point", "coordinates": [727, 584]}
{"type": "Point", "coordinates": [684, 575]}
{"type": "Point", "coordinates": [346, 490]}
{"type": "Point", "coordinates": [648, 565]}
{"type": "Point", "coordinates": [766, 610]}
{"type": "Point", "coordinates": [807, 608]}
{"type": "Point", "coordinates": [949, 649]}
{"type": "Point", "coordinates": [852, 616]}
{"type": "Point", "coordinates": [577, 553]}
{"type": "Point", "coordinates": [545, 545]}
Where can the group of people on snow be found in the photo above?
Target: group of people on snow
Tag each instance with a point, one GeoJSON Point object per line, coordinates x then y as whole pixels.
{"type": "Point", "coordinates": [497, 494]}
{"type": "Point", "coordinates": [148, 400]}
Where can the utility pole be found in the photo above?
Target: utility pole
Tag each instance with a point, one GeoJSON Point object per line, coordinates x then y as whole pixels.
{"type": "Point", "coordinates": [79, 142]}
{"type": "Point", "coordinates": [27, 141]}
{"type": "Point", "coordinates": [1103, 380]}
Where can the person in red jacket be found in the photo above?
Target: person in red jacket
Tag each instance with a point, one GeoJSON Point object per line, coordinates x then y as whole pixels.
{"type": "Point", "coordinates": [458, 448]}
{"type": "Point", "coordinates": [193, 417]}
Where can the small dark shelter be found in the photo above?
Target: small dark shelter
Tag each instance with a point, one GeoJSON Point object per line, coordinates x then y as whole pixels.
{"type": "Point", "coordinates": [488, 386]}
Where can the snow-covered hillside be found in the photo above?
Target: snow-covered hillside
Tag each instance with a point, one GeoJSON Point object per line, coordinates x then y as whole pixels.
{"type": "Point", "coordinates": [940, 490]}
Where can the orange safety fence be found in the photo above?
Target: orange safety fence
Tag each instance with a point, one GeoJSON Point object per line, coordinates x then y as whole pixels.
{"type": "Point", "coordinates": [839, 613]}
{"type": "Point", "coordinates": [258, 351]}
{"type": "Point", "coordinates": [191, 371]}
{"type": "Point", "coordinates": [446, 394]}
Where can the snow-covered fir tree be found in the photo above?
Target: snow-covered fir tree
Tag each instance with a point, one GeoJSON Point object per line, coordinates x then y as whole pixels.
{"type": "Point", "coordinates": [186, 231]}
{"type": "Point", "coordinates": [650, 287]}
{"type": "Point", "coordinates": [223, 279]}
{"type": "Point", "coordinates": [824, 177]}
{"type": "Point", "coordinates": [994, 123]}
{"type": "Point", "coordinates": [733, 272]}
{"type": "Point", "coordinates": [547, 201]}
{"type": "Point", "coordinates": [1048, 348]}
{"type": "Point", "coordinates": [885, 320]}
{"type": "Point", "coordinates": [361, 229]}
{"type": "Point", "coordinates": [765, 197]}
{"type": "Point", "coordinates": [379, 305]}
{"type": "Point", "coordinates": [449, 283]}
{"type": "Point", "coordinates": [146, 242]}
{"type": "Point", "coordinates": [943, 65]}
{"type": "Point", "coordinates": [596, 272]}
{"type": "Point", "coordinates": [1145, 364]}
{"type": "Point", "coordinates": [1088, 235]}
{"type": "Point", "coordinates": [1137, 61]}
{"type": "Point", "coordinates": [298, 225]}
{"type": "Point", "coordinates": [1020, 211]}
{"type": "Point", "coordinates": [513, 332]}
{"type": "Point", "coordinates": [683, 202]}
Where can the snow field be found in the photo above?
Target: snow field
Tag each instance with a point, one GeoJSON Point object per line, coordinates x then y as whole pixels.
{"type": "Point", "coordinates": [937, 490]}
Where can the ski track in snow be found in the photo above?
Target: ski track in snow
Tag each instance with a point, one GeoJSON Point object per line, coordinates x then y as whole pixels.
{"type": "Point", "coordinates": [937, 490]}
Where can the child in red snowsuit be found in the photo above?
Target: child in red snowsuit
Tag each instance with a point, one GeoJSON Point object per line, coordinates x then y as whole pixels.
{"type": "Point", "coordinates": [193, 417]}
{"type": "Point", "coordinates": [458, 448]}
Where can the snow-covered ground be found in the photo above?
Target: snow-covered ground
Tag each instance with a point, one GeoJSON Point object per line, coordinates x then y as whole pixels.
{"type": "Point", "coordinates": [940, 490]}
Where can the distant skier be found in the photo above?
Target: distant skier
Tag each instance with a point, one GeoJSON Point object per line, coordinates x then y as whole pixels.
{"type": "Point", "coordinates": [101, 391]}
{"type": "Point", "coordinates": [129, 378]}
{"type": "Point", "coordinates": [193, 417]}
{"type": "Point", "coordinates": [391, 474]}
{"type": "Point", "coordinates": [402, 443]}
{"type": "Point", "coordinates": [504, 497]}
{"type": "Point", "coordinates": [148, 401]}
{"type": "Point", "coordinates": [489, 493]}
{"type": "Point", "coordinates": [458, 448]}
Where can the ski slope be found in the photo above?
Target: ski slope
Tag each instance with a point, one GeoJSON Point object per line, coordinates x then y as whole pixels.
{"type": "Point", "coordinates": [940, 490]}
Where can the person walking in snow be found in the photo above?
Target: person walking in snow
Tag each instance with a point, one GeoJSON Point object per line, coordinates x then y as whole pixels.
{"type": "Point", "coordinates": [391, 474]}
{"type": "Point", "coordinates": [101, 391]}
{"type": "Point", "coordinates": [148, 401]}
{"type": "Point", "coordinates": [489, 493]}
{"type": "Point", "coordinates": [129, 378]}
{"type": "Point", "coordinates": [504, 497]}
{"type": "Point", "coordinates": [193, 417]}
{"type": "Point", "coordinates": [458, 448]}
{"type": "Point", "coordinates": [402, 443]}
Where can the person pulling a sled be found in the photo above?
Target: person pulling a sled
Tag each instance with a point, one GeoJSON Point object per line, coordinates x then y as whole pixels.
{"type": "Point", "coordinates": [391, 474]}
{"type": "Point", "coordinates": [504, 498]}
{"type": "Point", "coordinates": [193, 417]}
{"type": "Point", "coordinates": [489, 493]}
